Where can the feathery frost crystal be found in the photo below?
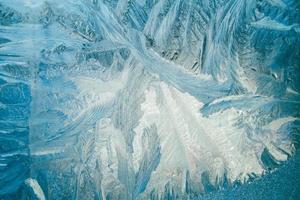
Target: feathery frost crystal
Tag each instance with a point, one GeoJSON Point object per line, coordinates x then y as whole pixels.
{"type": "Point", "coordinates": [146, 99]}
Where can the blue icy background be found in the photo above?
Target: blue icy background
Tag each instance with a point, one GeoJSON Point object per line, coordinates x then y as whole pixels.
{"type": "Point", "coordinates": [73, 76]}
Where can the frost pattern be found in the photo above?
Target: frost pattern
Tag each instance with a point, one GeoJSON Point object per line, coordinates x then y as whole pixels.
{"type": "Point", "coordinates": [145, 99]}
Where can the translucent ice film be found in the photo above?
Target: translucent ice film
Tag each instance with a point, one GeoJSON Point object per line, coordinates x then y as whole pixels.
{"type": "Point", "coordinates": [149, 99]}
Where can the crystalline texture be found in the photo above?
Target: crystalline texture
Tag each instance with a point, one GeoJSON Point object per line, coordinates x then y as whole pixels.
{"type": "Point", "coordinates": [145, 99]}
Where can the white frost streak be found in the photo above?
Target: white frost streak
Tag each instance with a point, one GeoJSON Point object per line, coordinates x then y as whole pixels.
{"type": "Point", "coordinates": [276, 124]}
{"type": "Point", "coordinates": [36, 188]}
{"type": "Point", "coordinates": [103, 91]}
{"type": "Point", "coordinates": [268, 23]}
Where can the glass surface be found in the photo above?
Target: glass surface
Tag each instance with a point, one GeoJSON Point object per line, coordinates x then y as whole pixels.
{"type": "Point", "coordinates": [149, 99]}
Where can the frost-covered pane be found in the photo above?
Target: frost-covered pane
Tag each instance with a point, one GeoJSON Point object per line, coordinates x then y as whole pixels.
{"type": "Point", "coordinates": [149, 99]}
